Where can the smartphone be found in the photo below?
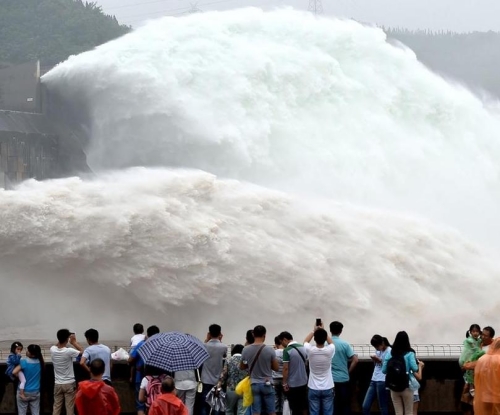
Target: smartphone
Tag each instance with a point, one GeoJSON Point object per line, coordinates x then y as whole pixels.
{"type": "Point", "coordinates": [318, 322]}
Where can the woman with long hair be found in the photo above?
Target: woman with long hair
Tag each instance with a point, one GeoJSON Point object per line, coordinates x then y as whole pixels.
{"type": "Point", "coordinates": [398, 364]}
{"type": "Point", "coordinates": [33, 368]}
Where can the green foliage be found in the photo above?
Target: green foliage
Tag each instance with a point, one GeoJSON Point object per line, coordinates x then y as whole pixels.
{"type": "Point", "coordinates": [52, 30]}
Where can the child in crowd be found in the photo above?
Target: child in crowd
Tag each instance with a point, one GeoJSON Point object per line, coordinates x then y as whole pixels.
{"type": "Point", "coordinates": [471, 351]}
{"type": "Point", "coordinates": [138, 336]}
{"type": "Point", "coordinates": [13, 360]}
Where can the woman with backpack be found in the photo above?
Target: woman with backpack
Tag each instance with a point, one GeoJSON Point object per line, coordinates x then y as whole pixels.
{"type": "Point", "coordinates": [397, 366]}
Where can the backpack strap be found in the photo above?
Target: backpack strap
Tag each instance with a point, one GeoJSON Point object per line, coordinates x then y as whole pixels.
{"type": "Point", "coordinates": [255, 360]}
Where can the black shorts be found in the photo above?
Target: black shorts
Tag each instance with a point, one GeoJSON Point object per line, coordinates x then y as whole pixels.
{"type": "Point", "coordinates": [297, 399]}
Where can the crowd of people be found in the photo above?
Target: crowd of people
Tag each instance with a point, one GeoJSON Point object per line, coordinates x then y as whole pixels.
{"type": "Point", "coordinates": [312, 377]}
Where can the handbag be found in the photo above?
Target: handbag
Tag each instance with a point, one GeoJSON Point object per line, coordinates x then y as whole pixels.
{"type": "Point", "coordinates": [244, 387]}
{"type": "Point", "coordinates": [199, 387]}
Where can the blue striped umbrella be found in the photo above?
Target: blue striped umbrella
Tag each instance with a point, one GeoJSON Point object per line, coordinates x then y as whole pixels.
{"type": "Point", "coordinates": [173, 351]}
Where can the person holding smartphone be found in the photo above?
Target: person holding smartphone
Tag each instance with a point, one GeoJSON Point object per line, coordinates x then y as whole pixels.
{"type": "Point", "coordinates": [377, 389]}
{"type": "Point", "coordinates": [320, 364]}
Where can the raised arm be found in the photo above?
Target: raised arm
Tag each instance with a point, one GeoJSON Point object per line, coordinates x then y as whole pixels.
{"type": "Point", "coordinates": [75, 344]}
{"type": "Point", "coordinates": [309, 337]}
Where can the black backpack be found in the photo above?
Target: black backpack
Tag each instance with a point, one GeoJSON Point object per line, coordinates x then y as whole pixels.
{"type": "Point", "coordinates": [396, 378]}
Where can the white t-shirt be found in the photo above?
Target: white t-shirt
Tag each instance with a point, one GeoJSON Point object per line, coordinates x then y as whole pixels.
{"type": "Point", "coordinates": [185, 380]}
{"type": "Point", "coordinates": [145, 381]}
{"type": "Point", "coordinates": [136, 339]}
{"type": "Point", "coordinates": [320, 366]}
{"type": "Point", "coordinates": [62, 360]}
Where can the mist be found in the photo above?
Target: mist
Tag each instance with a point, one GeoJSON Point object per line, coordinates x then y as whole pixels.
{"type": "Point", "coordinates": [454, 15]}
{"type": "Point", "coordinates": [287, 161]}
{"type": "Point", "coordinates": [182, 249]}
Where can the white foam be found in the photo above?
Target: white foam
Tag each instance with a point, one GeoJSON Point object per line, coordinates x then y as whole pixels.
{"type": "Point", "coordinates": [318, 109]}
{"type": "Point", "coordinates": [106, 252]}
{"type": "Point", "coordinates": [283, 99]}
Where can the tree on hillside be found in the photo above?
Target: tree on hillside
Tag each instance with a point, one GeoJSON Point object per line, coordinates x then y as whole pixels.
{"type": "Point", "coordinates": [52, 30]}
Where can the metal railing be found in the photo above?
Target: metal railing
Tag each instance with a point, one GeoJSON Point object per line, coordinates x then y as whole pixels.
{"type": "Point", "coordinates": [421, 350]}
{"type": "Point", "coordinates": [4, 353]}
{"type": "Point", "coordinates": [362, 350]}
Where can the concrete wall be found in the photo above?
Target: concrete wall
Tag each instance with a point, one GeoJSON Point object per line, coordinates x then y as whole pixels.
{"type": "Point", "coordinates": [22, 101]}
{"type": "Point", "coordinates": [20, 87]}
{"type": "Point", "coordinates": [440, 391]}
{"type": "Point", "coordinates": [26, 155]}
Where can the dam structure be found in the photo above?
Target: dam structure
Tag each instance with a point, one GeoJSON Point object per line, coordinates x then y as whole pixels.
{"type": "Point", "coordinates": [32, 144]}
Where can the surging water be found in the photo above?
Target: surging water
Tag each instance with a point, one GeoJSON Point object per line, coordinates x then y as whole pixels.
{"type": "Point", "coordinates": [288, 101]}
{"type": "Point", "coordinates": [206, 250]}
{"type": "Point", "coordinates": [322, 110]}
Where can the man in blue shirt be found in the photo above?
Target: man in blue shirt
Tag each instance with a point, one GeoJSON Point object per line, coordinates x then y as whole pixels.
{"type": "Point", "coordinates": [96, 350]}
{"type": "Point", "coordinates": [344, 355]}
{"type": "Point", "coordinates": [139, 368]}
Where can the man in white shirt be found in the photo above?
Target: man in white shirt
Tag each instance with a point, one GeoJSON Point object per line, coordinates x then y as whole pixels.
{"type": "Point", "coordinates": [320, 376]}
{"type": "Point", "coordinates": [62, 360]}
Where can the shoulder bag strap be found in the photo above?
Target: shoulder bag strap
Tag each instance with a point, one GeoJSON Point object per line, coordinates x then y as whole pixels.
{"type": "Point", "coordinates": [255, 360]}
{"type": "Point", "coordinates": [299, 352]}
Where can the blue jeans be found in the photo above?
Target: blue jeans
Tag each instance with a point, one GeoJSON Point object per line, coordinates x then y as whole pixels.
{"type": "Point", "coordinates": [376, 390]}
{"type": "Point", "coordinates": [321, 402]}
{"type": "Point", "coordinates": [263, 398]}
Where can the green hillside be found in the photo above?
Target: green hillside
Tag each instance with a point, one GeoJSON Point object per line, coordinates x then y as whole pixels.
{"type": "Point", "coordinates": [52, 30]}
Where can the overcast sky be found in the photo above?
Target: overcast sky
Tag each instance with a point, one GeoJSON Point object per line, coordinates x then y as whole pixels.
{"type": "Point", "coordinates": [456, 15]}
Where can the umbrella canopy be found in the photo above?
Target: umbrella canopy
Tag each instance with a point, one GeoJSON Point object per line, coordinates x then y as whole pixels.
{"type": "Point", "coordinates": [173, 351]}
{"type": "Point", "coordinates": [216, 398]}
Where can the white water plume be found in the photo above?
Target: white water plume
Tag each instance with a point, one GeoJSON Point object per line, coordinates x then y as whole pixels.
{"type": "Point", "coordinates": [317, 108]}
{"type": "Point", "coordinates": [201, 250]}
{"type": "Point", "coordinates": [294, 102]}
